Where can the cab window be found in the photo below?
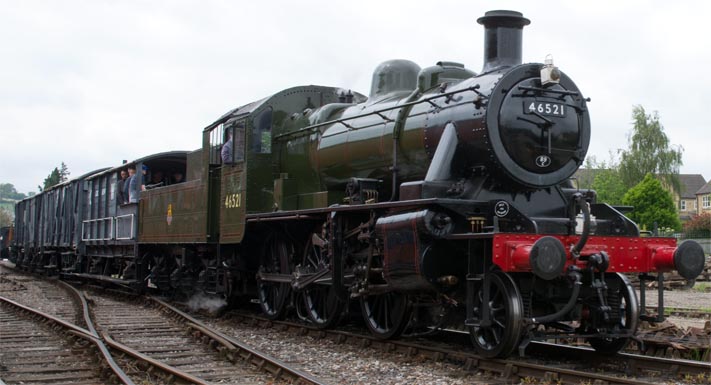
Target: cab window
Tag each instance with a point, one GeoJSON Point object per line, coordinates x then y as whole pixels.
{"type": "Point", "coordinates": [217, 135]}
{"type": "Point", "coordinates": [237, 130]}
{"type": "Point", "coordinates": [227, 142]}
{"type": "Point", "coordinates": [262, 132]}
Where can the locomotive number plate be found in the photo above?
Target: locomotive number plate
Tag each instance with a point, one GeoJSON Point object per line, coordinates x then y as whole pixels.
{"type": "Point", "coordinates": [533, 106]}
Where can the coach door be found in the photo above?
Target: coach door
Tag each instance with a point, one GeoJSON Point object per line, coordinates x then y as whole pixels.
{"type": "Point", "coordinates": [222, 159]}
{"type": "Point", "coordinates": [232, 181]}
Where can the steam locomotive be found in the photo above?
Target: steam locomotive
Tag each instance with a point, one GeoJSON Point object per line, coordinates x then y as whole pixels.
{"type": "Point", "coordinates": [443, 197]}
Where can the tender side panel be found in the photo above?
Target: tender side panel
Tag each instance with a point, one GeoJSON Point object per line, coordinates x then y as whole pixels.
{"type": "Point", "coordinates": [174, 214]}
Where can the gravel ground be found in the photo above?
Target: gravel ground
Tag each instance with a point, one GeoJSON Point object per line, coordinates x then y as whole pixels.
{"type": "Point", "coordinates": [346, 363]}
{"type": "Point", "coordinates": [682, 299]}
{"type": "Point", "coordinates": [336, 364]}
{"type": "Point", "coordinates": [692, 299]}
{"type": "Point", "coordinates": [41, 295]}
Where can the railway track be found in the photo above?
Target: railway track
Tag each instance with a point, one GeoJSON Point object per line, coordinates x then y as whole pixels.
{"type": "Point", "coordinates": [171, 339]}
{"type": "Point", "coordinates": [546, 363]}
{"type": "Point", "coordinates": [153, 343]}
{"type": "Point", "coordinates": [682, 312]}
{"type": "Point", "coordinates": [135, 329]}
{"type": "Point", "coordinates": [38, 348]}
{"type": "Point", "coordinates": [52, 297]}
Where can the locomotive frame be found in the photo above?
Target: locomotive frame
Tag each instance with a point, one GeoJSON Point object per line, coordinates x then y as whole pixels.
{"type": "Point", "coordinates": [441, 198]}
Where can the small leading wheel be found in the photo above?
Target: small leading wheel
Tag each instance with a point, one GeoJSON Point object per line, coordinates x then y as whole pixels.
{"type": "Point", "coordinates": [501, 337]}
{"type": "Point", "coordinates": [322, 305]}
{"type": "Point", "coordinates": [275, 259]}
{"type": "Point", "coordinates": [627, 321]}
{"type": "Point", "coordinates": [386, 314]}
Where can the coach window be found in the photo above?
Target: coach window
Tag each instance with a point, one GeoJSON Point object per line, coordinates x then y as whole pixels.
{"type": "Point", "coordinates": [262, 132]}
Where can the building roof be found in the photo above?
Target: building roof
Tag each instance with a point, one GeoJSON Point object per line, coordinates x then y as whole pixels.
{"type": "Point", "coordinates": [705, 189]}
{"type": "Point", "coordinates": [690, 184]}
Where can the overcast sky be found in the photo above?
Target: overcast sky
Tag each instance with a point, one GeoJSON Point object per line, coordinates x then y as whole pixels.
{"type": "Point", "coordinates": [93, 82]}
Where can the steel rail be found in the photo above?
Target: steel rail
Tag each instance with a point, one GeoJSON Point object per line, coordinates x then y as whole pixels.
{"type": "Point", "coordinates": [236, 349]}
{"type": "Point", "coordinates": [635, 361]}
{"type": "Point", "coordinates": [509, 368]}
{"type": "Point", "coordinates": [687, 312]}
{"type": "Point", "coordinates": [155, 363]}
{"type": "Point", "coordinates": [92, 329]}
{"type": "Point", "coordinates": [170, 371]}
{"type": "Point", "coordinates": [79, 332]}
{"type": "Point", "coordinates": [79, 299]}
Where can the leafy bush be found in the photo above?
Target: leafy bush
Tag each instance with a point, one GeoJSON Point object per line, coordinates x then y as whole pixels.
{"type": "Point", "coordinates": [652, 203]}
{"type": "Point", "coordinates": [699, 225]}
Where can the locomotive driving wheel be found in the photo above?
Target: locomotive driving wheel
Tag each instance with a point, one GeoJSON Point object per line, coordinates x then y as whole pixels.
{"type": "Point", "coordinates": [386, 314]}
{"type": "Point", "coordinates": [501, 336]}
{"type": "Point", "coordinates": [626, 321]}
{"type": "Point", "coordinates": [322, 305]}
{"type": "Point", "coordinates": [275, 259]}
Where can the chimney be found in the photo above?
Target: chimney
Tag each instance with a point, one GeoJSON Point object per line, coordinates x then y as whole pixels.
{"type": "Point", "coordinates": [502, 38]}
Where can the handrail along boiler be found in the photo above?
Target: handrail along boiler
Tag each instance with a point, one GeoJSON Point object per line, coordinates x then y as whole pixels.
{"type": "Point", "coordinates": [444, 197]}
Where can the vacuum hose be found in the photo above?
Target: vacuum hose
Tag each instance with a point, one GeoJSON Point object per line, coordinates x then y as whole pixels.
{"type": "Point", "coordinates": [580, 201]}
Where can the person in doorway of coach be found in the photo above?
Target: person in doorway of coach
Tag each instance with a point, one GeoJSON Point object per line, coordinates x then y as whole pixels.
{"type": "Point", "coordinates": [127, 183]}
{"type": "Point", "coordinates": [177, 177]}
{"type": "Point", "coordinates": [156, 180]}
{"type": "Point", "coordinates": [133, 187]}
{"type": "Point", "coordinates": [121, 197]}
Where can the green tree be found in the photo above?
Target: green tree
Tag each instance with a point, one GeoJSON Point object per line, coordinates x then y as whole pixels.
{"type": "Point", "coordinates": [8, 191]}
{"type": "Point", "coordinates": [52, 179]}
{"type": "Point", "coordinates": [606, 180]}
{"type": "Point", "coordinates": [649, 151]}
{"type": "Point", "coordinates": [6, 217]}
{"type": "Point", "coordinates": [652, 203]}
{"type": "Point", "coordinates": [63, 172]}
{"type": "Point", "coordinates": [609, 187]}
{"type": "Point", "coordinates": [58, 175]}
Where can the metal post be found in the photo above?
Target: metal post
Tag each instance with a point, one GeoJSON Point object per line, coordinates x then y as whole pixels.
{"type": "Point", "coordinates": [660, 297]}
